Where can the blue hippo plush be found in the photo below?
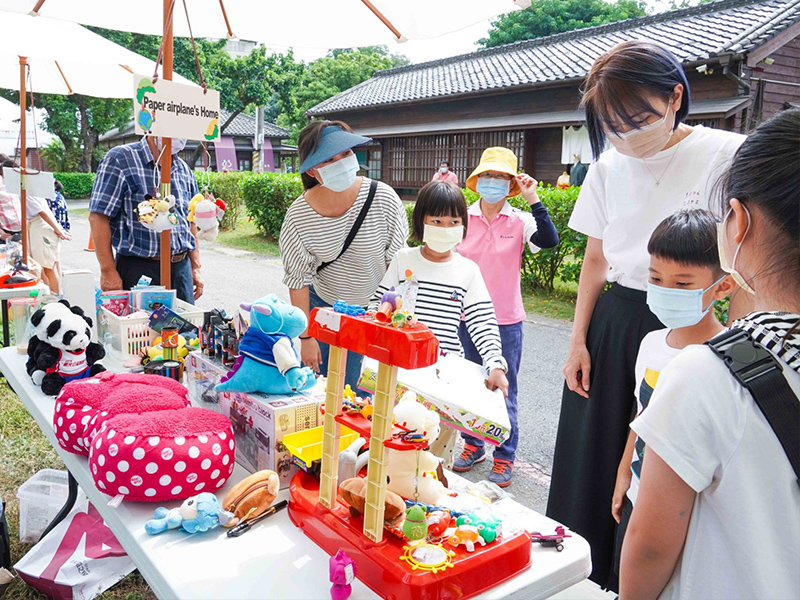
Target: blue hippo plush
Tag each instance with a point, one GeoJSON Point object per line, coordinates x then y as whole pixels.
{"type": "Point", "coordinates": [267, 360]}
{"type": "Point", "coordinates": [196, 515]}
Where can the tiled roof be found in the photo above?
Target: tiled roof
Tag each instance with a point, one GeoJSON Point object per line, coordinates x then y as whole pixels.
{"type": "Point", "coordinates": [694, 34]}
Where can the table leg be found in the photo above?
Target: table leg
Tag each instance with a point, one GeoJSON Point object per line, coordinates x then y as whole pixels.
{"type": "Point", "coordinates": [68, 505]}
{"type": "Point", "coordinates": [6, 340]}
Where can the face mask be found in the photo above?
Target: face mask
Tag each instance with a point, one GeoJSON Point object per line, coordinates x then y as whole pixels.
{"type": "Point", "coordinates": [646, 141]}
{"type": "Point", "coordinates": [178, 144]}
{"type": "Point", "coordinates": [492, 190]}
{"type": "Point", "coordinates": [443, 169]}
{"type": "Point", "coordinates": [730, 268]}
{"type": "Point", "coordinates": [340, 175]}
{"type": "Point", "coordinates": [676, 307]}
{"type": "Point", "coordinates": [442, 239]}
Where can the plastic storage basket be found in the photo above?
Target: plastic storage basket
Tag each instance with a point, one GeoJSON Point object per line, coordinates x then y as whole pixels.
{"type": "Point", "coordinates": [40, 499]}
{"type": "Point", "coordinates": [126, 336]}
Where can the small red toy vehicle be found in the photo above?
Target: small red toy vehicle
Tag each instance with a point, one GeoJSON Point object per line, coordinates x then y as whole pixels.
{"type": "Point", "coordinates": [551, 541]}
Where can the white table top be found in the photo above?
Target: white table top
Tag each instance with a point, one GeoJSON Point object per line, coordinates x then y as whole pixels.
{"type": "Point", "coordinates": [272, 560]}
{"type": "Point", "coordinates": [23, 292]}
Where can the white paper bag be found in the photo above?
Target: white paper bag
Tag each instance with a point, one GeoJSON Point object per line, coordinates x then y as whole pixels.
{"type": "Point", "coordinates": [77, 560]}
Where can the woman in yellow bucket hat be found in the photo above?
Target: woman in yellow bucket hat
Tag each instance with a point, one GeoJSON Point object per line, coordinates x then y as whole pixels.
{"type": "Point", "coordinates": [495, 239]}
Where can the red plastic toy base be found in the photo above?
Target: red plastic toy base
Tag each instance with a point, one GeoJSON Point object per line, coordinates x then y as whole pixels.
{"type": "Point", "coordinates": [379, 565]}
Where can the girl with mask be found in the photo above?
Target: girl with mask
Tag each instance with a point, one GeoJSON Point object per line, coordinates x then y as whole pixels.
{"type": "Point", "coordinates": [636, 96]}
{"type": "Point", "coordinates": [449, 286]}
{"type": "Point", "coordinates": [718, 509]}
{"type": "Point", "coordinates": [495, 240]}
{"type": "Point", "coordinates": [338, 237]}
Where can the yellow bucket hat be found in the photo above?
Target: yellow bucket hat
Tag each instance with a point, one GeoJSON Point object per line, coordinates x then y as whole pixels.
{"type": "Point", "coordinates": [497, 159]}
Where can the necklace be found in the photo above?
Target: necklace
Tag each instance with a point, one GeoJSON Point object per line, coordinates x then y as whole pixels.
{"type": "Point", "coordinates": [664, 172]}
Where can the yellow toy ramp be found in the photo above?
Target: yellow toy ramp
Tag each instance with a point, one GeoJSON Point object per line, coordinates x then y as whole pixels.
{"type": "Point", "coordinates": [306, 446]}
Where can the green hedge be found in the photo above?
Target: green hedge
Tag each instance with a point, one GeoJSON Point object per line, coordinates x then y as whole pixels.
{"type": "Point", "coordinates": [267, 196]}
{"type": "Point", "coordinates": [226, 186]}
{"type": "Point", "coordinates": [77, 186]}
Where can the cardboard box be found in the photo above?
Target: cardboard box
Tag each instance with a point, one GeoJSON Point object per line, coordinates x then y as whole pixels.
{"type": "Point", "coordinates": [259, 424]}
{"type": "Point", "coordinates": [202, 376]}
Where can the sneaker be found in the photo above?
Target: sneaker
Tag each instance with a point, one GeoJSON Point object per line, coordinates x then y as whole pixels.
{"type": "Point", "coordinates": [469, 456]}
{"type": "Point", "coordinates": [501, 472]}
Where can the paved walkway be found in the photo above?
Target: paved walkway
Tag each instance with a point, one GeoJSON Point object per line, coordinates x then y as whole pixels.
{"type": "Point", "coordinates": [232, 276]}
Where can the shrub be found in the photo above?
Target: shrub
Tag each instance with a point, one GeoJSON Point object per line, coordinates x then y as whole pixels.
{"type": "Point", "coordinates": [228, 187]}
{"type": "Point", "coordinates": [267, 196]}
{"type": "Point", "coordinates": [77, 186]}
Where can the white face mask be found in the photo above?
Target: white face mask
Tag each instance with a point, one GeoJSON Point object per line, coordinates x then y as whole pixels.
{"type": "Point", "coordinates": [340, 175]}
{"type": "Point", "coordinates": [443, 169]}
{"type": "Point", "coordinates": [730, 268]}
{"type": "Point", "coordinates": [178, 144]}
{"type": "Point", "coordinates": [646, 141]}
{"type": "Point", "coordinates": [442, 239]}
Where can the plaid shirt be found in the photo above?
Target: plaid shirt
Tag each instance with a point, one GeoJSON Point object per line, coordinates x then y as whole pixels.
{"type": "Point", "coordinates": [10, 210]}
{"type": "Point", "coordinates": [124, 176]}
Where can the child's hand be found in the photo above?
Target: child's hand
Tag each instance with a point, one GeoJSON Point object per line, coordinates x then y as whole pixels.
{"type": "Point", "coordinates": [527, 185]}
{"type": "Point", "coordinates": [497, 381]}
{"type": "Point", "coordinates": [63, 234]}
{"type": "Point", "coordinates": [620, 489]}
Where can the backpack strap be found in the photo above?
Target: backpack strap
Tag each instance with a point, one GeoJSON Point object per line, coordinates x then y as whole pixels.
{"type": "Point", "coordinates": [762, 375]}
{"type": "Point", "coordinates": [373, 186]}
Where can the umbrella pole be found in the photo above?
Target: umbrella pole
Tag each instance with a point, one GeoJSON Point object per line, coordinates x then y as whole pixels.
{"type": "Point", "coordinates": [23, 160]}
{"type": "Point", "coordinates": [166, 154]}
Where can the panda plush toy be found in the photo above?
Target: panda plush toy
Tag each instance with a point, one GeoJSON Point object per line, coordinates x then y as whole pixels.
{"type": "Point", "coordinates": [61, 348]}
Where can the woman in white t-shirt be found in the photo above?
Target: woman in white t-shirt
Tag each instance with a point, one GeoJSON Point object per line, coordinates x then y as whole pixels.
{"type": "Point", "coordinates": [637, 96]}
{"type": "Point", "coordinates": [718, 509]}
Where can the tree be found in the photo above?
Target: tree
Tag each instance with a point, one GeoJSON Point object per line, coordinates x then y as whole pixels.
{"type": "Point", "coordinates": [548, 17]}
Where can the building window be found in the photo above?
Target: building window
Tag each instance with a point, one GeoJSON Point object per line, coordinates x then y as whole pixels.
{"type": "Point", "coordinates": [244, 164]}
{"type": "Point", "coordinates": [410, 162]}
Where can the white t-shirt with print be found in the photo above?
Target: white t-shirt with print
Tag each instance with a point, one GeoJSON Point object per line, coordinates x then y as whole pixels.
{"type": "Point", "coordinates": [744, 536]}
{"type": "Point", "coordinates": [621, 204]}
{"type": "Point", "coordinates": [654, 354]}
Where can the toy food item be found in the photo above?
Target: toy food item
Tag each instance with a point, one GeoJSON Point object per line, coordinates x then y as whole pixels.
{"type": "Point", "coordinates": [354, 492]}
{"type": "Point", "coordinates": [196, 515]}
{"type": "Point", "coordinates": [252, 495]}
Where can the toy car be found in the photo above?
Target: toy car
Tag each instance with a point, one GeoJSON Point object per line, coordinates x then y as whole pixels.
{"type": "Point", "coordinates": [551, 541]}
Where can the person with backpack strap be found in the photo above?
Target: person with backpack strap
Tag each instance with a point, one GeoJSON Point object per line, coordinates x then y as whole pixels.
{"type": "Point", "coordinates": [338, 237]}
{"type": "Point", "coordinates": [718, 509]}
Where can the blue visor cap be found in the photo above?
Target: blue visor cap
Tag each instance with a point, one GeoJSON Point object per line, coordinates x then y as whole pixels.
{"type": "Point", "coordinates": [332, 141]}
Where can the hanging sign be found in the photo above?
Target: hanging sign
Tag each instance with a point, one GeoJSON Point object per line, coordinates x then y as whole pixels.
{"type": "Point", "coordinates": [170, 109]}
{"type": "Point", "coordinates": [39, 184]}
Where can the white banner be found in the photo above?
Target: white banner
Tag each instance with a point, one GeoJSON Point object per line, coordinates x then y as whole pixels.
{"type": "Point", "coordinates": [170, 109]}
{"type": "Point", "coordinates": [36, 184]}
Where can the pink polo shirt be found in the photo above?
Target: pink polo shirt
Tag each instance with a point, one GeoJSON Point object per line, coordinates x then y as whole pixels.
{"type": "Point", "coordinates": [497, 248]}
{"type": "Point", "coordinates": [450, 177]}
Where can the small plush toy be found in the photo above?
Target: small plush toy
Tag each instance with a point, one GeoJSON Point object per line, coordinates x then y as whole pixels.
{"type": "Point", "coordinates": [354, 494]}
{"type": "Point", "coordinates": [206, 213]}
{"type": "Point", "coordinates": [267, 360]}
{"type": "Point", "coordinates": [196, 515]}
{"type": "Point", "coordinates": [157, 214]}
{"type": "Point", "coordinates": [342, 572]}
{"type": "Point", "coordinates": [61, 348]}
{"type": "Point", "coordinates": [402, 467]}
{"type": "Point", "coordinates": [415, 527]}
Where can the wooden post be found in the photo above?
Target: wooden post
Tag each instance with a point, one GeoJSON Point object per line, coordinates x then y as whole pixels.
{"type": "Point", "coordinates": [166, 153]}
{"type": "Point", "coordinates": [23, 159]}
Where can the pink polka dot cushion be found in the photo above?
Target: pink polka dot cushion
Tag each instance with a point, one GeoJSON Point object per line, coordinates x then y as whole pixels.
{"type": "Point", "coordinates": [83, 406]}
{"type": "Point", "coordinates": [164, 455]}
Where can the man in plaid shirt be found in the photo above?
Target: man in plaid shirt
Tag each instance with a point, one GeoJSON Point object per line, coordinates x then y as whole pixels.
{"type": "Point", "coordinates": [123, 178]}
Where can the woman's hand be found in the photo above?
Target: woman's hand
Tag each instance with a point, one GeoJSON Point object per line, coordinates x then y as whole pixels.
{"type": "Point", "coordinates": [577, 369]}
{"type": "Point", "coordinates": [527, 186]}
{"type": "Point", "coordinates": [620, 489]}
{"type": "Point", "coordinates": [310, 354]}
{"type": "Point", "coordinates": [497, 381]}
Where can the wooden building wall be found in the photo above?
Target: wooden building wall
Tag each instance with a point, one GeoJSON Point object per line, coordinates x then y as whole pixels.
{"type": "Point", "coordinates": [785, 68]}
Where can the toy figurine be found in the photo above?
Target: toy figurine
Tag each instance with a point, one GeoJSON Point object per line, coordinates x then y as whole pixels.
{"type": "Point", "coordinates": [390, 302]}
{"type": "Point", "coordinates": [402, 318]}
{"type": "Point", "coordinates": [438, 522]}
{"type": "Point", "coordinates": [467, 535]}
{"type": "Point", "coordinates": [342, 572]}
{"type": "Point", "coordinates": [196, 515]}
{"type": "Point", "coordinates": [489, 526]}
{"type": "Point", "coordinates": [415, 527]}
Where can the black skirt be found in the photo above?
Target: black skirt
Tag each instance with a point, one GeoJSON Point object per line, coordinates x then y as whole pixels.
{"type": "Point", "coordinates": [592, 432]}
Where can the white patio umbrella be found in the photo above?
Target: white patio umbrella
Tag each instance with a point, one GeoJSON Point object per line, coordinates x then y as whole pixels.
{"type": "Point", "coordinates": [296, 23]}
{"type": "Point", "coordinates": [64, 58]}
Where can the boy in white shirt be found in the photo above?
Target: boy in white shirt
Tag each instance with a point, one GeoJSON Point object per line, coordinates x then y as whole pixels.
{"type": "Point", "coordinates": [684, 283]}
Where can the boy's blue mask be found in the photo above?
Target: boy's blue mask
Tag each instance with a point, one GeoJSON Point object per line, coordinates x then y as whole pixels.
{"type": "Point", "coordinates": [492, 190]}
{"type": "Point", "coordinates": [676, 307]}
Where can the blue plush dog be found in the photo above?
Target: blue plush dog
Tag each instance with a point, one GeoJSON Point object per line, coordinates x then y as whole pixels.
{"type": "Point", "coordinates": [196, 514]}
{"type": "Point", "coordinates": [267, 360]}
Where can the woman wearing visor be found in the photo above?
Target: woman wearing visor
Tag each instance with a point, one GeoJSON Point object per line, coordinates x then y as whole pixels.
{"type": "Point", "coordinates": [637, 97]}
{"type": "Point", "coordinates": [338, 237]}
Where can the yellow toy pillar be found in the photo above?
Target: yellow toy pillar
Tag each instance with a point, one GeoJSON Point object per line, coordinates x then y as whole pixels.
{"type": "Point", "coordinates": [329, 473]}
{"type": "Point", "coordinates": [382, 416]}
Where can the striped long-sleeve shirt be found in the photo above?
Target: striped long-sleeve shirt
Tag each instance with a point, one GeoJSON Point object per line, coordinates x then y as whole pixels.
{"type": "Point", "coordinates": [308, 239]}
{"type": "Point", "coordinates": [448, 290]}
